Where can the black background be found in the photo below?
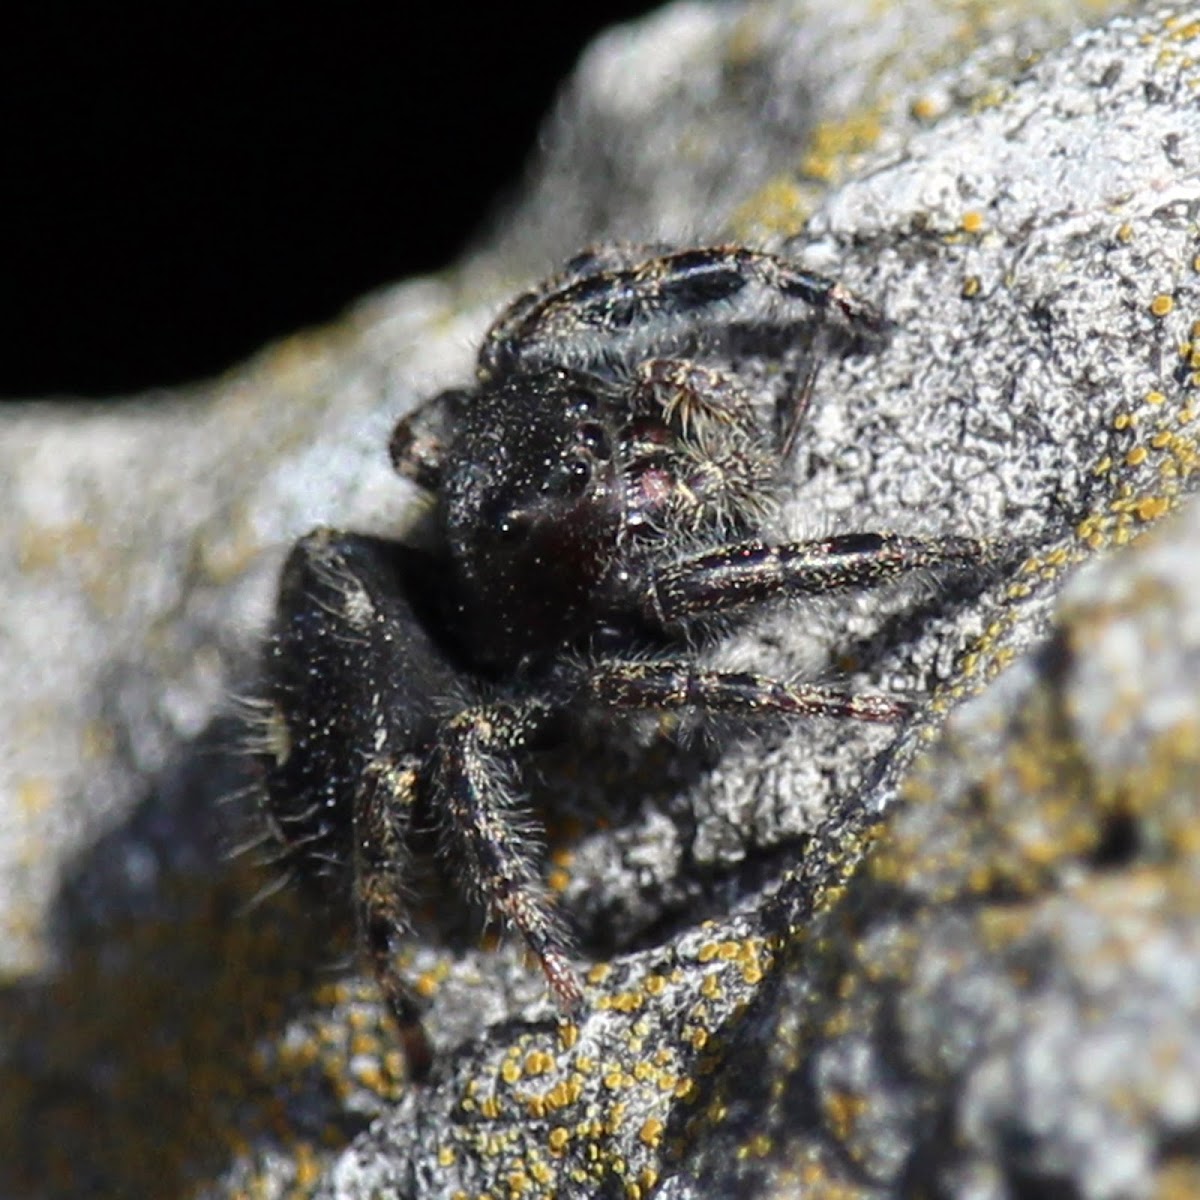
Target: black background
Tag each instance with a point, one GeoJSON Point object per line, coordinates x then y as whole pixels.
{"type": "Point", "coordinates": [182, 182]}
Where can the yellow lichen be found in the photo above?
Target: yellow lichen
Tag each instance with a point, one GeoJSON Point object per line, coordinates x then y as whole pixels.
{"type": "Point", "coordinates": [651, 1132]}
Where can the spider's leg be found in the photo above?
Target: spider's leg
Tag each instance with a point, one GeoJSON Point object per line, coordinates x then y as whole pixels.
{"type": "Point", "coordinates": [679, 684]}
{"type": "Point", "coordinates": [792, 407]}
{"type": "Point", "coordinates": [351, 671]}
{"type": "Point", "coordinates": [382, 814]}
{"type": "Point", "coordinates": [588, 319]}
{"type": "Point", "coordinates": [752, 572]}
{"type": "Point", "coordinates": [485, 833]}
{"type": "Point", "coordinates": [591, 262]}
{"type": "Point", "coordinates": [418, 444]}
{"type": "Point", "coordinates": [610, 256]}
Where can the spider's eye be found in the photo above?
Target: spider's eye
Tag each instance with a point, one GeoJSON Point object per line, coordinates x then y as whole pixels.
{"type": "Point", "coordinates": [593, 437]}
{"type": "Point", "coordinates": [571, 477]}
{"type": "Point", "coordinates": [511, 526]}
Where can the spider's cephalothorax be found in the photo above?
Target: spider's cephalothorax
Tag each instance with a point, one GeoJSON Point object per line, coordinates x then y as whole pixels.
{"type": "Point", "coordinates": [601, 497]}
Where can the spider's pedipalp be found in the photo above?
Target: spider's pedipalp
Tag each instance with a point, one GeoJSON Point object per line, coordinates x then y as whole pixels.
{"type": "Point", "coordinates": [418, 443]}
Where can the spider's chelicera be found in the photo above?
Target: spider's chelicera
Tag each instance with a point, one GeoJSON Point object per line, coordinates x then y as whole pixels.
{"type": "Point", "coordinates": [601, 496]}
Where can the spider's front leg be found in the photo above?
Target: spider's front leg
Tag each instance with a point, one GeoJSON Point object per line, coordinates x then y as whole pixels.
{"type": "Point", "coordinates": [586, 317]}
{"type": "Point", "coordinates": [487, 836]}
{"type": "Point", "coordinates": [754, 572]}
{"type": "Point", "coordinates": [351, 677]}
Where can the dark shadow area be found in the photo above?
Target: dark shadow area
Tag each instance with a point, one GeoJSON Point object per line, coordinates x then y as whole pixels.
{"type": "Point", "coordinates": [153, 1059]}
{"type": "Point", "coordinates": [192, 1030]}
{"type": "Point", "coordinates": [183, 184]}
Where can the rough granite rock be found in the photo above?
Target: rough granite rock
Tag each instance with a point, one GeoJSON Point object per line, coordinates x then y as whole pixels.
{"type": "Point", "coordinates": [956, 959]}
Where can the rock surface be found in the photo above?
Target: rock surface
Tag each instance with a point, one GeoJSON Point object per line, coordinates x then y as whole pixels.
{"type": "Point", "coordinates": [960, 959]}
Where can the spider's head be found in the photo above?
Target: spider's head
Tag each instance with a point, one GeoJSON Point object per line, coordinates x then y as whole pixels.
{"type": "Point", "coordinates": [532, 512]}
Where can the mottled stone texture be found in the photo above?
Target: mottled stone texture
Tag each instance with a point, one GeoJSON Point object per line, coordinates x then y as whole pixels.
{"type": "Point", "coordinates": [956, 959]}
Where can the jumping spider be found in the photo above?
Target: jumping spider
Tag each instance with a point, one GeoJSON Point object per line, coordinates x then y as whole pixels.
{"type": "Point", "coordinates": [598, 501]}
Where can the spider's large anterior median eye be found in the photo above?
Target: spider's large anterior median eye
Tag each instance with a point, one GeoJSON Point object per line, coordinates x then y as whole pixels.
{"type": "Point", "coordinates": [575, 471]}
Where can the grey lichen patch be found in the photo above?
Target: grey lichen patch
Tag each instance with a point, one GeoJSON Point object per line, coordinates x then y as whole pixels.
{"type": "Point", "coordinates": [1011, 986]}
{"type": "Point", "coordinates": [1060, 344]}
{"type": "Point", "coordinates": [878, 76]}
